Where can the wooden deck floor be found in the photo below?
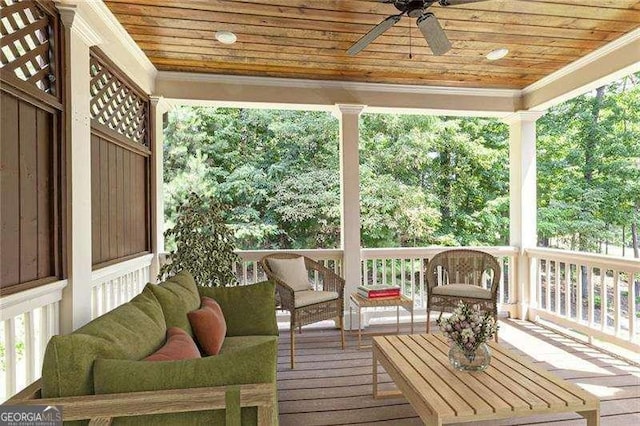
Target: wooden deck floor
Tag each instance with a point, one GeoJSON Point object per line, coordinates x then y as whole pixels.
{"type": "Point", "coordinates": [333, 387]}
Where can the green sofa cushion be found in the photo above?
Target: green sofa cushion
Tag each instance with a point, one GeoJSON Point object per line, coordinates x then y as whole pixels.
{"type": "Point", "coordinates": [131, 331]}
{"type": "Point", "coordinates": [249, 310]}
{"type": "Point", "coordinates": [242, 361]}
{"type": "Point", "coordinates": [178, 295]}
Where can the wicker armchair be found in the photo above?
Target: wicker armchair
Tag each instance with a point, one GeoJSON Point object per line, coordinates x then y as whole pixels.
{"type": "Point", "coordinates": [469, 275]}
{"type": "Point", "coordinates": [309, 305]}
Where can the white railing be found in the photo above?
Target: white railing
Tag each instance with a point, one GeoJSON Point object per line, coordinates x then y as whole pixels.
{"type": "Point", "coordinates": [117, 284]}
{"type": "Point", "coordinates": [29, 319]}
{"type": "Point", "coordinates": [406, 266]}
{"type": "Point", "coordinates": [397, 266]}
{"type": "Point", "coordinates": [249, 271]}
{"type": "Point", "coordinates": [593, 294]}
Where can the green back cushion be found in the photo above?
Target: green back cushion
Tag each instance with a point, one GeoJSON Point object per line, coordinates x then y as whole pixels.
{"type": "Point", "coordinates": [248, 309]}
{"type": "Point", "coordinates": [242, 360]}
{"type": "Point", "coordinates": [131, 331]}
{"type": "Point", "coordinates": [178, 296]}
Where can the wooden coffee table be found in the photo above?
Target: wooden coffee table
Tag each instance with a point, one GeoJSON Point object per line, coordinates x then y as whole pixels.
{"type": "Point", "coordinates": [362, 302]}
{"type": "Point", "coordinates": [510, 387]}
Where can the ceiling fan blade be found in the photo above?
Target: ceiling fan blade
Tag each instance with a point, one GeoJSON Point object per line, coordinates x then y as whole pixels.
{"type": "Point", "coordinates": [373, 34]}
{"type": "Point", "coordinates": [457, 2]}
{"type": "Point", "coordinates": [434, 34]}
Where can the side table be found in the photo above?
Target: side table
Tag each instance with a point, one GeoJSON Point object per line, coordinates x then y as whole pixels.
{"type": "Point", "coordinates": [362, 302]}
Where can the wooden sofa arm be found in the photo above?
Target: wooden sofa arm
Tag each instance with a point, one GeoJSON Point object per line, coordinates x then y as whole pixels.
{"type": "Point", "coordinates": [100, 409]}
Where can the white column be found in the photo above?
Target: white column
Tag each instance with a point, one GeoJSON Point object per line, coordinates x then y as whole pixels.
{"type": "Point", "coordinates": [349, 116]}
{"type": "Point", "coordinates": [76, 300]}
{"type": "Point", "coordinates": [523, 200]}
{"type": "Point", "coordinates": [159, 106]}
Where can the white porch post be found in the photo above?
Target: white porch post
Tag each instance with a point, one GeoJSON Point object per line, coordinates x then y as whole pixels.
{"type": "Point", "coordinates": [523, 200]}
{"type": "Point", "coordinates": [350, 197]}
{"type": "Point", "coordinates": [159, 106]}
{"type": "Point", "coordinates": [76, 300]}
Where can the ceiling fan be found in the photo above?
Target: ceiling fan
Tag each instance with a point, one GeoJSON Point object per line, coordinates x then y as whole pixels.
{"type": "Point", "coordinates": [427, 23]}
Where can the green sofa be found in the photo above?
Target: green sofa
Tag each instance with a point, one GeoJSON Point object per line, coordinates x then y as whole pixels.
{"type": "Point", "coordinates": [104, 356]}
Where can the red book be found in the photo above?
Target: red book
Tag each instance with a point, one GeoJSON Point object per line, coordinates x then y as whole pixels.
{"type": "Point", "coordinates": [380, 294]}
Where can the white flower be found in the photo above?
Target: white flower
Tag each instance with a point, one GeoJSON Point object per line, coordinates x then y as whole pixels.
{"type": "Point", "coordinates": [467, 333]}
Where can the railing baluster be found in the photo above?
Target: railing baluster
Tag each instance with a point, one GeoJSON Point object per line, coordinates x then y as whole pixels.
{"type": "Point", "coordinates": [375, 272]}
{"type": "Point", "coordinates": [616, 302]}
{"type": "Point", "coordinates": [568, 288]}
{"type": "Point", "coordinates": [29, 349]}
{"type": "Point", "coordinates": [547, 282]}
{"type": "Point", "coordinates": [384, 271]}
{"type": "Point", "coordinates": [579, 296]}
{"type": "Point", "coordinates": [632, 305]}
{"type": "Point", "coordinates": [558, 278]}
{"type": "Point", "coordinates": [590, 296]}
{"type": "Point", "coordinates": [44, 335]}
{"type": "Point", "coordinates": [604, 298]}
{"type": "Point", "coordinates": [10, 356]}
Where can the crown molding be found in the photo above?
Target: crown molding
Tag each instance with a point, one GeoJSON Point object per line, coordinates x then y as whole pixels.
{"type": "Point", "coordinates": [350, 108]}
{"type": "Point", "coordinates": [72, 19]}
{"type": "Point", "coordinates": [104, 14]}
{"type": "Point", "coordinates": [330, 84]}
{"type": "Point", "coordinates": [584, 61]}
{"type": "Point", "coordinates": [524, 115]}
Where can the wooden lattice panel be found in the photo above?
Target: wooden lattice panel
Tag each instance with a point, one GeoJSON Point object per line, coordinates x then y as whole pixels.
{"type": "Point", "coordinates": [116, 104]}
{"type": "Point", "coordinates": [26, 45]}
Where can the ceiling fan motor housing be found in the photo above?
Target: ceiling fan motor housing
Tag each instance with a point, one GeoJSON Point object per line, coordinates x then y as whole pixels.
{"type": "Point", "coordinates": [413, 8]}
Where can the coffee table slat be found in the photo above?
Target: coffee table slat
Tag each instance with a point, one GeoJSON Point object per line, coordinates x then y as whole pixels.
{"type": "Point", "coordinates": [473, 381]}
{"type": "Point", "coordinates": [450, 384]}
{"type": "Point", "coordinates": [580, 396]}
{"type": "Point", "coordinates": [549, 391]}
{"type": "Point", "coordinates": [411, 376]}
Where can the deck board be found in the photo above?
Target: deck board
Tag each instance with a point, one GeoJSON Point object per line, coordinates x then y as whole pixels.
{"type": "Point", "coordinates": [330, 386]}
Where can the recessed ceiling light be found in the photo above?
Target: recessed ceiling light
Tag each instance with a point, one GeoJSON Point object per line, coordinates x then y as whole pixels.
{"type": "Point", "coordinates": [494, 55]}
{"type": "Point", "coordinates": [226, 37]}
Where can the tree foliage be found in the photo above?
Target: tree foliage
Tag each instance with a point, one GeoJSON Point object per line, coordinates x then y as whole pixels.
{"type": "Point", "coordinates": [424, 179]}
{"type": "Point", "coordinates": [204, 243]}
{"type": "Point", "coordinates": [589, 168]}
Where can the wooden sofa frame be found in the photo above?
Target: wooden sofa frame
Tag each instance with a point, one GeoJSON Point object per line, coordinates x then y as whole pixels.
{"type": "Point", "coordinates": [100, 409]}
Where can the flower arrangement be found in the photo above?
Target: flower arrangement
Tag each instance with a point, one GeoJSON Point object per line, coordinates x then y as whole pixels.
{"type": "Point", "coordinates": [468, 327]}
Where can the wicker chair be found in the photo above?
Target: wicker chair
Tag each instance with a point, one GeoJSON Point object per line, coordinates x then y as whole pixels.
{"type": "Point", "coordinates": [469, 275]}
{"type": "Point", "coordinates": [309, 306]}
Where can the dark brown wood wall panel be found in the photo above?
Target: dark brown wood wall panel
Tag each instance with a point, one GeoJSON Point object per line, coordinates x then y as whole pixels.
{"type": "Point", "coordinates": [119, 200]}
{"type": "Point", "coordinates": [27, 229]}
{"type": "Point", "coordinates": [9, 193]}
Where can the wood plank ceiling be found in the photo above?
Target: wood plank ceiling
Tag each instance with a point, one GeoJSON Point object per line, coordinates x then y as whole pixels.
{"type": "Point", "coordinates": [309, 38]}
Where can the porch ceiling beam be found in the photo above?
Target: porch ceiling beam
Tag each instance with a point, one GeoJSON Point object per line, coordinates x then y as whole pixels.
{"type": "Point", "coordinates": [266, 92]}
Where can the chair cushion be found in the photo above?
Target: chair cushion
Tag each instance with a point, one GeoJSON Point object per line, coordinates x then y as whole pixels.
{"type": "Point", "coordinates": [309, 297]}
{"type": "Point", "coordinates": [462, 290]}
{"type": "Point", "coordinates": [179, 346]}
{"type": "Point", "coordinates": [292, 271]}
{"type": "Point", "coordinates": [209, 326]}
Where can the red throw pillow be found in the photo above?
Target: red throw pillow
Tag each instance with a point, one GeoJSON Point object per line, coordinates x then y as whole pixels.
{"type": "Point", "coordinates": [179, 346]}
{"type": "Point", "coordinates": [209, 326]}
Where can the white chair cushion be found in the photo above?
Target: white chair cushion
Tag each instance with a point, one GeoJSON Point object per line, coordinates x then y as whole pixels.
{"type": "Point", "coordinates": [291, 271]}
{"type": "Point", "coordinates": [309, 297]}
{"type": "Point", "coordinates": [462, 290]}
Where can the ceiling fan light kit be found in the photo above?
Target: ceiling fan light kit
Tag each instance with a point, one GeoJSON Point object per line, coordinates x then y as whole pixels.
{"type": "Point", "coordinates": [434, 34]}
{"type": "Point", "coordinates": [426, 21]}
